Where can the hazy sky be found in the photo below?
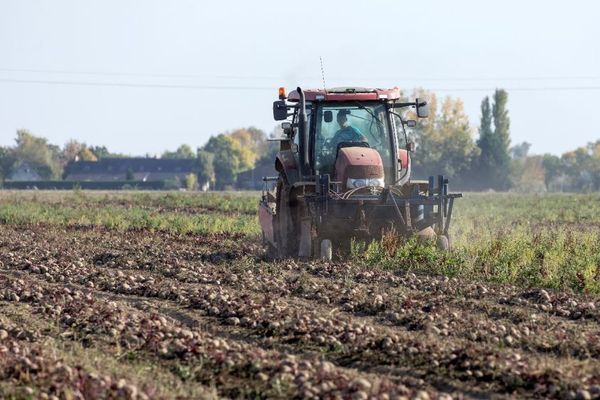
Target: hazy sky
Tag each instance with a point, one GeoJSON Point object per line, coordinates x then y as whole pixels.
{"type": "Point", "coordinates": [141, 76]}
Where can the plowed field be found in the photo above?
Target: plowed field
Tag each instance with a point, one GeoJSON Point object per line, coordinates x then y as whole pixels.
{"type": "Point", "coordinates": [170, 296]}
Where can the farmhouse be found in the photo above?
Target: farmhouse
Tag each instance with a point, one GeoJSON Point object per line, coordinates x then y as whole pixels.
{"type": "Point", "coordinates": [134, 169]}
{"type": "Point", "coordinates": [24, 172]}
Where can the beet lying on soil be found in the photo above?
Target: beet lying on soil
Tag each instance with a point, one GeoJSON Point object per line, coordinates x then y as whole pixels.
{"type": "Point", "coordinates": [94, 310]}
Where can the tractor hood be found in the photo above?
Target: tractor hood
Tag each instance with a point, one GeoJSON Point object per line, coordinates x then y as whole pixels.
{"type": "Point", "coordinates": [358, 167]}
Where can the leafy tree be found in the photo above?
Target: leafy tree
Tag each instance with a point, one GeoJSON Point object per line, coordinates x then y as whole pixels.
{"type": "Point", "coordinates": [485, 142]}
{"type": "Point", "coordinates": [191, 182]}
{"type": "Point", "coordinates": [528, 174]}
{"type": "Point", "coordinates": [74, 150]}
{"type": "Point", "coordinates": [553, 172]}
{"type": "Point", "coordinates": [502, 135]}
{"type": "Point", "coordinates": [268, 155]}
{"type": "Point", "coordinates": [425, 127]}
{"type": "Point", "coordinates": [228, 159]}
{"type": "Point", "coordinates": [494, 161]}
{"type": "Point", "coordinates": [444, 141]}
{"type": "Point", "coordinates": [226, 155]}
{"type": "Point", "coordinates": [183, 151]}
{"type": "Point", "coordinates": [36, 152]}
{"type": "Point", "coordinates": [206, 170]}
{"type": "Point", "coordinates": [525, 173]}
{"type": "Point", "coordinates": [87, 155]}
{"type": "Point", "coordinates": [457, 148]}
{"type": "Point", "coordinates": [100, 152]}
{"type": "Point", "coordinates": [421, 135]}
{"type": "Point", "coordinates": [582, 166]}
{"type": "Point", "coordinates": [520, 150]}
{"type": "Point", "coordinates": [7, 161]}
{"type": "Point", "coordinates": [71, 150]}
{"type": "Point", "coordinates": [576, 170]}
{"type": "Point", "coordinates": [251, 143]}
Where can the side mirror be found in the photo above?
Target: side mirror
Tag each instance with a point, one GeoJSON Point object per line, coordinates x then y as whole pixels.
{"type": "Point", "coordinates": [328, 116]}
{"type": "Point", "coordinates": [280, 111]}
{"type": "Point", "coordinates": [422, 108]}
{"type": "Point", "coordinates": [411, 123]}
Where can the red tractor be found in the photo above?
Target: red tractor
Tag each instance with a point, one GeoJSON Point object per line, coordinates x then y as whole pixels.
{"type": "Point", "coordinates": [344, 173]}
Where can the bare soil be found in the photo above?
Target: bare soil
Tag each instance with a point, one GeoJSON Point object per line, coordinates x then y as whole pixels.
{"type": "Point", "coordinates": [92, 313]}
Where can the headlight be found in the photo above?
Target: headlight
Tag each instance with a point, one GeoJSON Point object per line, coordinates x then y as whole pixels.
{"type": "Point", "coordinates": [357, 183]}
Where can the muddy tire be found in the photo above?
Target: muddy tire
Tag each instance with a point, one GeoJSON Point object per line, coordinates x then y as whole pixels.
{"type": "Point", "coordinates": [443, 243]}
{"type": "Point", "coordinates": [326, 250]}
{"type": "Point", "coordinates": [285, 236]}
{"type": "Point", "coordinates": [305, 240]}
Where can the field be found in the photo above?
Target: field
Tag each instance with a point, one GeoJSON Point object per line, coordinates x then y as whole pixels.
{"type": "Point", "coordinates": [169, 295]}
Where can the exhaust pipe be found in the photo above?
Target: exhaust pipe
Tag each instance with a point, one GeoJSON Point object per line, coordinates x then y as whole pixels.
{"type": "Point", "coordinates": [303, 125]}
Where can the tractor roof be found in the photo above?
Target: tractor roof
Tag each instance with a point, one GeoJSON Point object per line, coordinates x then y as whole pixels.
{"type": "Point", "coordinates": [346, 94]}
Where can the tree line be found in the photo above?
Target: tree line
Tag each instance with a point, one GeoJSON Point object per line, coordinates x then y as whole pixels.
{"type": "Point", "coordinates": [479, 158]}
{"type": "Point", "coordinates": [446, 143]}
{"type": "Point", "coordinates": [218, 162]}
{"type": "Point", "coordinates": [484, 159]}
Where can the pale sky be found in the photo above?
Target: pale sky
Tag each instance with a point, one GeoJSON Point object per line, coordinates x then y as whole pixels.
{"type": "Point", "coordinates": [141, 76]}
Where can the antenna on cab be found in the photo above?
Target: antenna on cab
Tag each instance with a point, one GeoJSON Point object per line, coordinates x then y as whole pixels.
{"type": "Point", "coordinates": [323, 74]}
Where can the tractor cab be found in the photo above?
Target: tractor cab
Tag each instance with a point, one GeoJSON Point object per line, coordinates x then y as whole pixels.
{"type": "Point", "coordinates": [340, 127]}
{"type": "Point", "coordinates": [344, 173]}
{"type": "Point", "coordinates": [345, 124]}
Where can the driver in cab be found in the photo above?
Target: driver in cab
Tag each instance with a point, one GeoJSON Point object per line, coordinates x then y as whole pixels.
{"type": "Point", "coordinates": [346, 133]}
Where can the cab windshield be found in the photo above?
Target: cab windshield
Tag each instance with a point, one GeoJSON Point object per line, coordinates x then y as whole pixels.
{"type": "Point", "coordinates": [362, 123]}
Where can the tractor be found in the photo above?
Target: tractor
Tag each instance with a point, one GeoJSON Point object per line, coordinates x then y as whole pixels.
{"type": "Point", "coordinates": [344, 173]}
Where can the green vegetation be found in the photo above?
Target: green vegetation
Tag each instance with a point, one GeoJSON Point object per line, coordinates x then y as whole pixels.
{"type": "Point", "coordinates": [529, 240]}
{"type": "Point", "coordinates": [547, 240]}
{"type": "Point", "coordinates": [226, 202]}
{"type": "Point", "coordinates": [173, 212]}
{"type": "Point", "coordinates": [183, 151]}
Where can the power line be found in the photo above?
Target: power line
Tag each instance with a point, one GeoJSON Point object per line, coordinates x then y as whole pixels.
{"type": "Point", "coordinates": [133, 85]}
{"type": "Point", "coordinates": [514, 78]}
{"type": "Point", "coordinates": [132, 74]}
{"type": "Point", "coordinates": [265, 88]}
{"type": "Point", "coordinates": [518, 89]}
{"type": "Point", "coordinates": [234, 77]}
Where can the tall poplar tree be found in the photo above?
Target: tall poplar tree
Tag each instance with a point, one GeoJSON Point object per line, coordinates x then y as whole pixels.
{"type": "Point", "coordinates": [502, 139]}
{"type": "Point", "coordinates": [494, 160]}
{"type": "Point", "coordinates": [485, 143]}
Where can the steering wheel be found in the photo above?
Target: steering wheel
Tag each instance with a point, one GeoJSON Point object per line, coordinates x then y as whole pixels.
{"type": "Point", "coordinates": [341, 145]}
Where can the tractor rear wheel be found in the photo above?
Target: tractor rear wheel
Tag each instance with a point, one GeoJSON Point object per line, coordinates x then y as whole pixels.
{"type": "Point", "coordinates": [285, 231]}
{"type": "Point", "coordinates": [305, 239]}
